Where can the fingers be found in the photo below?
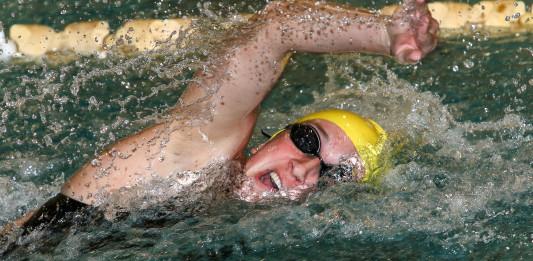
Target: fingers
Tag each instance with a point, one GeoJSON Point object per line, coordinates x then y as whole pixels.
{"type": "Point", "coordinates": [433, 30]}
{"type": "Point", "coordinates": [414, 56]}
{"type": "Point", "coordinates": [424, 24]}
{"type": "Point", "coordinates": [406, 49]}
{"type": "Point", "coordinates": [422, 9]}
{"type": "Point", "coordinates": [434, 27]}
{"type": "Point", "coordinates": [410, 55]}
{"type": "Point", "coordinates": [414, 30]}
{"type": "Point", "coordinates": [427, 36]}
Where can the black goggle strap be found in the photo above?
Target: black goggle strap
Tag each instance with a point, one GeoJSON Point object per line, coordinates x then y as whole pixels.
{"type": "Point", "coordinates": [324, 168]}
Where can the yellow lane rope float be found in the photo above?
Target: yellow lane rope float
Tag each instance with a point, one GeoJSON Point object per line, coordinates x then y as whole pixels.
{"type": "Point", "coordinates": [32, 41]}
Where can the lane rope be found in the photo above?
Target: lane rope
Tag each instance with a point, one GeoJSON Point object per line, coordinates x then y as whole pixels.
{"type": "Point", "coordinates": [34, 41]}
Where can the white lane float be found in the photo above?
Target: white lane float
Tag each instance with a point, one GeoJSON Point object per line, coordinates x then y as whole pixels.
{"type": "Point", "coordinates": [34, 42]}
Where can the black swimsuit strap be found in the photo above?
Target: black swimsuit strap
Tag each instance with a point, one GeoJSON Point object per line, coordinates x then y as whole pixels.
{"type": "Point", "coordinates": [53, 210]}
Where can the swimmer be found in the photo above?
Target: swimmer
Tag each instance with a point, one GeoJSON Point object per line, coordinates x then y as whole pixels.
{"type": "Point", "coordinates": [229, 90]}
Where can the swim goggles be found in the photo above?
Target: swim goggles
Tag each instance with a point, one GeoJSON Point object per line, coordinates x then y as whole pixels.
{"type": "Point", "coordinates": [306, 139]}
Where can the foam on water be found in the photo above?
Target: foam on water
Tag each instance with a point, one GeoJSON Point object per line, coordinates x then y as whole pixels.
{"type": "Point", "coordinates": [7, 47]}
{"type": "Point", "coordinates": [445, 188]}
{"type": "Point", "coordinates": [18, 197]}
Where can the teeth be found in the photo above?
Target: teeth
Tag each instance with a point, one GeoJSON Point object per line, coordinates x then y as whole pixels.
{"type": "Point", "coordinates": [275, 178]}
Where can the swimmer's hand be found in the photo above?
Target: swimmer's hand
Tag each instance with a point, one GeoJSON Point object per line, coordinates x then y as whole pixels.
{"type": "Point", "coordinates": [413, 32]}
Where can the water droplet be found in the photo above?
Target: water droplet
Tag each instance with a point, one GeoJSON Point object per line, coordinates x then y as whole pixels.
{"type": "Point", "coordinates": [48, 140]}
{"type": "Point", "coordinates": [74, 89]}
{"type": "Point", "coordinates": [93, 102]}
{"type": "Point", "coordinates": [455, 68]}
{"type": "Point", "coordinates": [522, 89]}
{"type": "Point", "coordinates": [469, 64]}
{"type": "Point", "coordinates": [5, 114]}
{"type": "Point", "coordinates": [95, 163]}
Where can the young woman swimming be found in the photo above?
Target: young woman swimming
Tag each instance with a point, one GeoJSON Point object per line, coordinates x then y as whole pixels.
{"type": "Point", "coordinates": [228, 92]}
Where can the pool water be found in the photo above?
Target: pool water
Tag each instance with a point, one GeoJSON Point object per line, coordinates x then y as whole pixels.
{"type": "Point", "coordinates": [459, 185]}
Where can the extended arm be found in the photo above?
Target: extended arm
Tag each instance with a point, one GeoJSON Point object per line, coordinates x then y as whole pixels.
{"type": "Point", "coordinates": [240, 79]}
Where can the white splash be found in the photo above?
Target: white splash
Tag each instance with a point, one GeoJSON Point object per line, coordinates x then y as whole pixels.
{"type": "Point", "coordinates": [7, 47]}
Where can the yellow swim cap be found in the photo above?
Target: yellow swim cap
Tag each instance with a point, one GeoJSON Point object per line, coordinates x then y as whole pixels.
{"type": "Point", "coordinates": [366, 135]}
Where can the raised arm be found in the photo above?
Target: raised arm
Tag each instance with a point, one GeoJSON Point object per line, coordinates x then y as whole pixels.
{"type": "Point", "coordinates": [250, 66]}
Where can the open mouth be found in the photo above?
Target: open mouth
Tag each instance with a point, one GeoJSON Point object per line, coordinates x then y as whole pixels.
{"type": "Point", "coordinates": [272, 180]}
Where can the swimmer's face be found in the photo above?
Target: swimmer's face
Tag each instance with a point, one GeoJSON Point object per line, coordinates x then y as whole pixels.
{"type": "Point", "coordinates": [279, 165]}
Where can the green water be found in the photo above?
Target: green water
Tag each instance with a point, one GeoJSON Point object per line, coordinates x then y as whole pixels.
{"type": "Point", "coordinates": [460, 184]}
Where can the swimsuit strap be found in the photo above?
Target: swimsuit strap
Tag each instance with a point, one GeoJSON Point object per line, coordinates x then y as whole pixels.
{"type": "Point", "coordinates": [53, 211]}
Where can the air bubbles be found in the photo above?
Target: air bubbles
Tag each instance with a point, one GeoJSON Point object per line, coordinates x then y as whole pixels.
{"type": "Point", "coordinates": [48, 140]}
{"type": "Point", "coordinates": [95, 163]}
{"type": "Point", "coordinates": [455, 68]}
{"type": "Point", "coordinates": [74, 89]}
{"type": "Point", "coordinates": [522, 89]}
{"type": "Point", "coordinates": [440, 180]}
{"type": "Point", "coordinates": [30, 171]}
{"type": "Point", "coordinates": [5, 115]}
{"type": "Point", "coordinates": [126, 84]}
{"type": "Point", "coordinates": [469, 64]}
{"type": "Point", "coordinates": [93, 103]}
